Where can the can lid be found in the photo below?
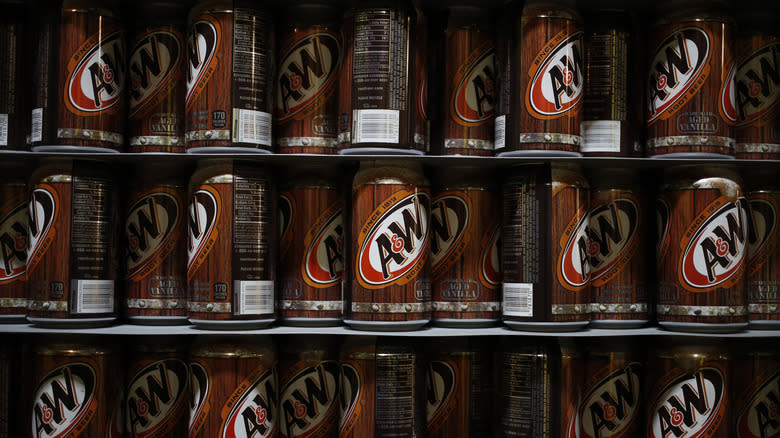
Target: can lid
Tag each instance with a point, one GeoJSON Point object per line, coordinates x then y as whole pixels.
{"type": "Point", "coordinates": [469, 16]}
{"type": "Point", "coordinates": [233, 347]}
{"type": "Point", "coordinates": [565, 9]}
{"type": "Point", "coordinates": [673, 10]}
{"type": "Point", "coordinates": [310, 12]}
{"type": "Point", "coordinates": [390, 172]}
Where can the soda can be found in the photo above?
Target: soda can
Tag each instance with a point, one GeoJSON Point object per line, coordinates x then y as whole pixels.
{"type": "Point", "coordinates": [755, 377]}
{"type": "Point", "coordinates": [14, 199]}
{"type": "Point", "coordinates": [309, 386]}
{"type": "Point", "coordinates": [379, 79]}
{"type": "Point", "coordinates": [157, 388]}
{"type": "Point", "coordinates": [701, 263]}
{"type": "Point", "coordinates": [465, 242]}
{"type": "Point", "coordinates": [617, 251]}
{"type": "Point", "coordinates": [506, 34]}
{"type": "Point", "coordinates": [459, 387]}
{"type": "Point", "coordinates": [231, 248]}
{"type": "Point", "coordinates": [156, 83]}
{"type": "Point", "coordinates": [234, 387]}
{"type": "Point", "coordinates": [155, 246]}
{"type": "Point", "coordinates": [230, 77]}
{"type": "Point", "coordinates": [13, 357]}
{"type": "Point", "coordinates": [544, 265]}
{"type": "Point", "coordinates": [690, 105]}
{"type": "Point", "coordinates": [763, 252]}
{"type": "Point", "coordinates": [71, 263]}
{"type": "Point", "coordinates": [688, 388]}
{"type": "Point", "coordinates": [390, 284]}
{"type": "Point", "coordinates": [13, 77]}
{"type": "Point", "coordinates": [79, 97]}
{"type": "Point", "coordinates": [310, 53]}
{"type": "Point", "coordinates": [548, 81]}
{"type": "Point", "coordinates": [381, 388]}
{"type": "Point", "coordinates": [311, 247]}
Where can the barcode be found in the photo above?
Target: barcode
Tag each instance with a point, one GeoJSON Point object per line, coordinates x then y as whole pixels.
{"type": "Point", "coordinates": [600, 136]}
{"type": "Point", "coordinates": [376, 126]}
{"type": "Point", "coordinates": [251, 126]}
{"type": "Point", "coordinates": [3, 129]}
{"type": "Point", "coordinates": [255, 297]}
{"type": "Point", "coordinates": [36, 134]}
{"type": "Point", "coordinates": [499, 132]}
{"type": "Point", "coordinates": [94, 296]}
{"type": "Point", "coordinates": [519, 299]}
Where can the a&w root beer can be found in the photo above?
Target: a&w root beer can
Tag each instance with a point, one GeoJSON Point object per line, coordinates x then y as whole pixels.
{"type": "Point", "coordinates": [763, 254]}
{"type": "Point", "coordinates": [756, 382]}
{"type": "Point", "coordinates": [14, 85]}
{"type": "Point", "coordinates": [231, 245]}
{"type": "Point", "coordinates": [14, 199]}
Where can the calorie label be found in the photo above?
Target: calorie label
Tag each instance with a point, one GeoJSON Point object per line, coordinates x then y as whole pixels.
{"type": "Point", "coordinates": [250, 50]}
{"type": "Point", "coordinates": [395, 393]}
{"type": "Point", "coordinates": [518, 299]}
{"type": "Point", "coordinates": [251, 226]}
{"type": "Point", "coordinates": [526, 381]}
{"type": "Point", "coordinates": [93, 296]}
{"type": "Point", "coordinates": [91, 230]}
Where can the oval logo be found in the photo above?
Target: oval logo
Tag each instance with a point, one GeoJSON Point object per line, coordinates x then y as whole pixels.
{"type": "Point", "coordinates": [440, 386]}
{"type": "Point", "coordinates": [573, 265]}
{"type": "Point", "coordinates": [759, 416]}
{"type": "Point", "coordinates": [757, 84]}
{"type": "Point", "coordinates": [42, 213]}
{"type": "Point", "coordinates": [351, 387]}
{"type": "Point", "coordinates": [728, 96]}
{"type": "Point", "coordinates": [762, 227]}
{"type": "Point", "coordinates": [306, 72]}
{"type": "Point", "coordinates": [151, 223]}
{"type": "Point", "coordinates": [201, 47]}
{"type": "Point", "coordinates": [558, 83]}
{"type": "Point", "coordinates": [253, 413]}
{"type": "Point", "coordinates": [63, 401]}
{"type": "Point", "coordinates": [309, 399]}
{"type": "Point", "coordinates": [155, 62]}
{"type": "Point", "coordinates": [200, 390]}
{"type": "Point", "coordinates": [689, 405]}
{"type": "Point", "coordinates": [611, 232]}
{"type": "Point", "coordinates": [678, 62]}
{"type": "Point", "coordinates": [204, 210]}
{"type": "Point", "coordinates": [95, 84]}
{"type": "Point", "coordinates": [324, 260]}
{"type": "Point", "coordinates": [716, 251]}
{"type": "Point", "coordinates": [154, 396]}
{"type": "Point", "coordinates": [394, 245]}
{"type": "Point", "coordinates": [612, 405]}
{"type": "Point", "coordinates": [662, 228]}
{"type": "Point", "coordinates": [490, 272]}
{"type": "Point", "coordinates": [474, 97]}
{"type": "Point", "coordinates": [13, 243]}
{"type": "Point", "coordinates": [450, 216]}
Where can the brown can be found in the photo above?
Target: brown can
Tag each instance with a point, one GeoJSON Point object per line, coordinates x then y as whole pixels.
{"type": "Point", "coordinates": [155, 246]}
{"type": "Point", "coordinates": [79, 101]}
{"type": "Point", "coordinates": [234, 386]}
{"type": "Point", "coordinates": [548, 81]}
{"type": "Point", "coordinates": [544, 265]}
{"type": "Point", "coordinates": [459, 388]}
{"type": "Point", "coordinates": [13, 77]}
{"type": "Point", "coordinates": [506, 25]}
{"type": "Point", "coordinates": [230, 77]}
{"type": "Point", "coordinates": [617, 236]}
{"type": "Point", "coordinates": [71, 266]}
{"type": "Point", "coordinates": [310, 54]}
{"type": "Point", "coordinates": [76, 388]}
{"type": "Point", "coordinates": [701, 279]}
{"type": "Point", "coordinates": [311, 248]}
{"type": "Point", "coordinates": [756, 379]}
{"type": "Point", "coordinates": [381, 388]}
{"type": "Point", "coordinates": [231, 245]}
{"type": "Point", "coordinates": [309, 382]}
{"type": "Point", "coordinates": [465, 242]}
{"type": "Point", "coordinates": [156, 83]}
{"type": "Point", "coordinates": [690, 108]}
{"type": "Point", "coordinates": [377, 108]}
{"type": "Point", "coordinates": [469, 82]}
{"type": "Point", "coordinates": [14, 202]}
{"type": "Point", "coordinates": [688, 388]}
{"type": "Point", "coordinates": [157, 388]}
{"type": "Point", "coordinates": [391, 207]}
{"type": "Point", "coordinates": [763, 251]}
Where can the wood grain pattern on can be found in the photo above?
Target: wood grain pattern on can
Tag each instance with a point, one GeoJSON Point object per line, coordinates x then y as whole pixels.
{"type": "Point", "coordinates": [14, 202]}
{"type": "Point", "coordinates": [756, 378]}
{"type": "Point", "coordinates": [14, 86]}
{"type": "Point", "coordinates": [763, 259]}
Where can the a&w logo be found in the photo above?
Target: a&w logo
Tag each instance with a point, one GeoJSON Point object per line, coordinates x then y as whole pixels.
{"type": "Point", "coordinates": [306, 72]}
{"type": "Point", "coordinates": [760, 416]}
{"type": "Point", "coordinates": [558, 80]}
{"type": "Point", "coordinates": [715, 252]}
{"type": "Point", "coordinates": [324, 260]}
{"type": "Point", "coordinates": [153, 65]}
{"type": "Point", "coordinates": [573, 265]}
{"type": "Point", "coordinates": [42, 213]}
{"type": "Point", "coordinates": [490, 261]}
{"type": "Point", "coordinates": [152, 222]}
{"type": "Point", "coordinates": [13, 243]}
{"type": "Point", "coordinates": [394, 241]}
{"type": "Point", "coordinates": [611, 232]}
{"type": "Point", "coordinates": [612, 405]}
{"type": "Point", "coordinates": [309, 399]}
{"type": "Point", "coordinates": [252, 415]}
{"type": "Point", "coordinates": [688, 406]}
{"type": "Point", "coordinates": [200, 390]}
{"type": "Point", "coordinates": [96, 75]}
{"type": "Point", "coordinates": [762, 226]}
{"type": "Point", "coordinates": [440, 386]}
{"type": "Point", "coordinates": [204, 210]}
{"type": "Point", "coordinates": [450, 215]}
{"type": "Point", "coordinates": [678, 62]}
{"type": "Point", "coordinates": [201, 62]}
{"type": "Point", "coordinates": [351, 387]}
{"type": "Point", "coordinates": [474, 98]}
{"type": "Point", "coordinates": [758, 84]}
{"type": "Point", "coordinates": [63, 399]}
{"type": "Point", "coordinates": [154, 396]}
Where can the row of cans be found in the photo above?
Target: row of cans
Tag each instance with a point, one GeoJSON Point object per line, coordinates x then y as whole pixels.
{"type": "Point", "coordinates": [541, 246]}
{"type": "Point", "coordinates": [533, 78]}
{"type": "Point", "coordinates": [324, 386]}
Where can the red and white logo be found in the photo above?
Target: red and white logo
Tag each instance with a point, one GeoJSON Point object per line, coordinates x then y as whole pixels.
{"type": "Point", "coordinates": [474, 97]}
{"type": "Point", "coordinates": [558, 83]}
{"type": "Point", "coordinates": [728, 105]}
{"type": "Point", "coordinates": [440, 387]}
{"type": "Point", "coordinates": [612, 405]}
{"type": "Point", "coordinates": [201, 46]}
{"type": "Point", "coordinates": [757, 84]}
{"type": "Point", "coordinates": [95, 84]}
{"type": "Point", "coordinates": [611, 232]}
{"type": "Point", "coordinates": [309, 399]}
{"type": "Point", "coordinates": [154, 396]}
{"type": "Point", "coordinates": [573, 265]}
{"type": "Point", "coordinates": [13, 243]}
{"type": "Point", "coordinates": [42, 214]}
{"type": "Point", "coordinates": [688, 406]}
{"type": "Point", "coordinates": [324, 259]}
{"type": "Point", "coordinates": [252, 414]}
{"type": "Point", "coordinates": [204, 210]}
{"type": "Point", "coordinates": [64, 398]}
{"type": "Point", "coordinates": [351, 388]}
{"type": "Point", "coordinates": [200, 390]}
{"type": "Point", "coordinates": [762, 229]}
{"type": "Point", "coordinates": [490, 260]}
{"type": "Point", "coordinates": [450, 215]}
{"type": "Point", "coordinates": [151, 223]}
{"type": "Point", "coordinates": [760, 416]}
{"type": "Point", "coordinates": [154, 63]}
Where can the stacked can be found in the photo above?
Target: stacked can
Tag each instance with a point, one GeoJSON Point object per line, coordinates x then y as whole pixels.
{"type": "Point", "coordinates": [548, 80]}
{"type": "Point", "coordinates": [506, 24]}
{"type": "Point", "coordinates": [71, 266]}
{"type": "Point", "coordinates": [311, 248]}
{"type": "Point", "coordinates": [13, 244]}
{"type": "Point", "coordinates": [465, 242]}
{"type": "Point", "coordinates": [544, 261]}
{"type": "Point", "coordinates": [763, 251]}
{"type": "Point", "coordinates": [310, 54]}
{"type": "Point", "coordinates": [703, 247]}
{"type": "Point", "coordinates": [156, 84]}
{"type": "Point", "coordinates": [755, 379]}
{"type": "Point", "coordinates": [155, 251]}
{"type": "Point", "coordinates": [79, 102]}
{"type": "Point", "coordinates": [231, 245]}
{"type": "Point", "coordinates": [691, 109]}
{"type": "Point", "coordinates": [230, 77]}
{"type": "Point", "coordinates": [13, 77]}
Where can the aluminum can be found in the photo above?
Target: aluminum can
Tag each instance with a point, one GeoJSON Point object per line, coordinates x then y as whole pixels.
{"type": "Point", "coordinates": [506, 25]}
{"type": "Point", "coordinates": [14, 32]}
{"type": "Point", "coordinates": [13, 357]}
{"type": "Point", "coordinates": [755, 379]}
{"type": "Point", "coordinates": [14, 199]}
{"type": "Point", "coordinates": [763, 251]}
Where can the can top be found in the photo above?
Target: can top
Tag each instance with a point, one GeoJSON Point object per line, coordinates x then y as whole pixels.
{"type": "Point", "coordinates": [613, 178]}
{"type": "Point", "coordinates": [74, 345]}
{"type": "Point", "coordinates": [470, 16]}
{"type": "Point", "coordinates": [464, 177]}
{"type": "Point", "coordinates": [672, 11]}
{"type": "Point", "coordinates": [310, 13]}
{"type": "Point", "coordinates": [221, 170]}
{"type": "Point", "coordinates": [231, 347]}
{"type": "Point", "coordinates": [390, 172]}
{"type": "Point", "coordinates": [565, 9]}
{"type": "Point", "coordinates": [159, 12]}
{"type": "Point", "coordinates": [108, 8]}
{"type": "Point", "coordinates": [721, 177]}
